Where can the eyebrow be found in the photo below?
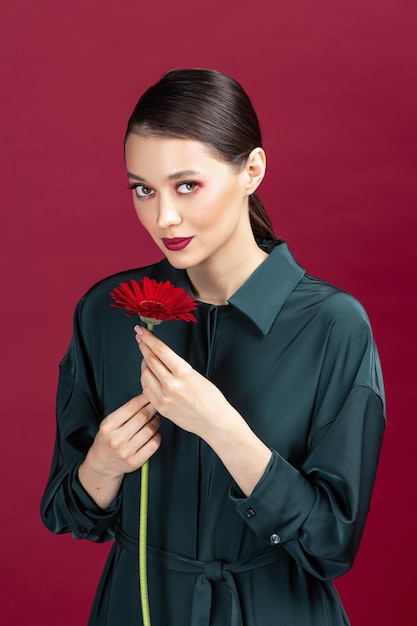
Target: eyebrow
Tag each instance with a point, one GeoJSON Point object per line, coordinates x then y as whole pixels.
{"type": "Point", "coordinates": [174, 176]}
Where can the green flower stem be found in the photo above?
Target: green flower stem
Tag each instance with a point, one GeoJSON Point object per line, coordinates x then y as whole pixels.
{"type": "Point", "coordinates": [150, 322]}
{"type": "Point", "coordinates": [143, 521]}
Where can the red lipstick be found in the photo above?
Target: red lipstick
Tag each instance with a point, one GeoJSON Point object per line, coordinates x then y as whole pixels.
{"type": "Point", "coordinates": [176, 243]}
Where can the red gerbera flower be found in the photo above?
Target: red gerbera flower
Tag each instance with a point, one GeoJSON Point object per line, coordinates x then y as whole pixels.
{"type": "Point", "coordinates": [154, 302]}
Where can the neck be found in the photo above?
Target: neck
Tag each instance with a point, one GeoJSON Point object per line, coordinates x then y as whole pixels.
{"type": "Point", "coordinates": [216, 282]}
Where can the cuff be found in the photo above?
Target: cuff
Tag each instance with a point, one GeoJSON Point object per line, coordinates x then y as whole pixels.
{"type": "Point", "coordinates": [279, 504]}
{"type": "Point", "coordinates": [90, 519]}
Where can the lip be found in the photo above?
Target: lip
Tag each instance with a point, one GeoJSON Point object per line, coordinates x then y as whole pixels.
{"type": "Point", "coordinates": [177, 243]}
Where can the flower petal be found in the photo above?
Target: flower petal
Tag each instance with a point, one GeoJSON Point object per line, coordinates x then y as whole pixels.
{"type": "Point", "coordinates": [150, 299]}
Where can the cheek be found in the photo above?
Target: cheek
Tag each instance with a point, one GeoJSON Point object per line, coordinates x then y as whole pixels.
{"type": "Point", "coordinates": [216, 202]}
{"type": "Point", "coordinates": [221, 207]}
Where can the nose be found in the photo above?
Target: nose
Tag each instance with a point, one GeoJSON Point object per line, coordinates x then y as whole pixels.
{"type": "Point", "coordinates": [168, 214]}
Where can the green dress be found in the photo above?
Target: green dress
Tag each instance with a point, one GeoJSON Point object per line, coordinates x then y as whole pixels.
{"type": "Point", "coordinates": [296, 357]}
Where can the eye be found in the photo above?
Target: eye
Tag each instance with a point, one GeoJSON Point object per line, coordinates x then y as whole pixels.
{"type": "Point", "coordinates": [142, 191]}
{"type": "Point", "coordinates": [187, 187]}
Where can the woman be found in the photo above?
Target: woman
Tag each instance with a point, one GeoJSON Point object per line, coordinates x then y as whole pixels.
{"type": "Point", "coordinates": [262, 466]}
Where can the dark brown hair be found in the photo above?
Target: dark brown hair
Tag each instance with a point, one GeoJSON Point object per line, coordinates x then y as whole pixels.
{"type": "Point", "coordinates": [210, 107]}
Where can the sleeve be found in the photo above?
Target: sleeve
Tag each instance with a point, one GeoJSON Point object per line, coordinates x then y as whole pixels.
{"type": "Point", "coordinates": [317, 511]}
{"type": "Point", "coordinates": [66, 506]}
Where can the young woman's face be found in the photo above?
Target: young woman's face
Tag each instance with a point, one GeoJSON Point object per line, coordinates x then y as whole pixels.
{"type": "Point", "coordinates": [194, 206]}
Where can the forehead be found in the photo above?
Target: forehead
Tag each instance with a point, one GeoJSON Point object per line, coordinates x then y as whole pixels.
{"type": "Point", "coordinates": [167, 155]}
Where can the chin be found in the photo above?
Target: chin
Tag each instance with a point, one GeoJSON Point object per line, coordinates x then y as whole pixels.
{"type": "Point", "coordinates": [181, 259]}
{"type": "Point", "coordinates": [178, 263]}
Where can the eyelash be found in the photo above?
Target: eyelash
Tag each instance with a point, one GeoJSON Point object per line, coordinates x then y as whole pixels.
{"type": "Point", "coordinates": [188, 182]}
{"type": "Point", "coordinates": [136, 186]}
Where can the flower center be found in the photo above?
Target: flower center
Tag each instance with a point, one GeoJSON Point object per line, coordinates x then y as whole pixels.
{"type": "Point", "coordinates": [153, 305]}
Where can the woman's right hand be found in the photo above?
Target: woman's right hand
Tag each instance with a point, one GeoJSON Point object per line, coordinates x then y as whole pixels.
{"type": "Point", "coordinates": [126, 439]}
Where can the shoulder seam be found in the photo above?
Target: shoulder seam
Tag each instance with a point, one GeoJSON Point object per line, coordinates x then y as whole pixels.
{"type": "Point", "coordinates": [330, 421]}
{"type": "Point", "coordinates": [84, 391]}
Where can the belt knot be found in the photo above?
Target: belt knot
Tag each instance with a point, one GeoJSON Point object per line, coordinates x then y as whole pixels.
{"type": "Point", "coordinates": [207, 573]}
{"type": "Point", "coordinates": [213, 570]}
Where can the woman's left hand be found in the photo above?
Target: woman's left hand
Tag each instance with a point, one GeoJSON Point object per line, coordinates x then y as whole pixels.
{"type": "Point", "coordinates": [193, 403]}
{"type": "Point", "coordinates": [179, 392]}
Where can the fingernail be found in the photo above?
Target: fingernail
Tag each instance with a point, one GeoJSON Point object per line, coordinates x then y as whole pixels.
{"type": "Point", "coordinates": [139, 331]}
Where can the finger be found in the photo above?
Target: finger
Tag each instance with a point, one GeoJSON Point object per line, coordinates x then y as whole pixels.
{"type": "Point", "coordinates": [118, 436]}
{"type": "Point", "coordinates": [152, 362]}
{"type": "Point", "coordinates": [146, 451]}
{"type": "Point", "coordinates": [127, 410]}
{"type": "Point", "coordinates": [149, 376]}
{"type": "Point", "coordinates": [145, 443]}
{"type": "Point", "coordinates": [139, 438]}
{"type": "Point", "coordinates": [168, 357]}
{"type": "Point", "coordinates": [137, 422]}
{"type": "Point", "coordinates": [145, 434]}
{"type": "Point", "coordinates": [151, 385]}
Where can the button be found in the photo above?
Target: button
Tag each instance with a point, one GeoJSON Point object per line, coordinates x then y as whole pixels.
{"type": "Point", "coordinates": [275, 539]}
{"type": "Point", "coordinates": [250, 513]}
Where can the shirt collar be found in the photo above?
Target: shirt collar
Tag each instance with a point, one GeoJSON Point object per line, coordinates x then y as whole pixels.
{"type": "Point", "coordinates": [263, 294]}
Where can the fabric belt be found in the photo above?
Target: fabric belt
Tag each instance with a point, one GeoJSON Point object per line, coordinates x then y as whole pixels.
{"type": "Point", "coordinates": [208, 572]}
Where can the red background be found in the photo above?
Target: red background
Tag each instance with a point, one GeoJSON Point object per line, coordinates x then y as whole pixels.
{"type": "Point", "coordinates": [334, 84]}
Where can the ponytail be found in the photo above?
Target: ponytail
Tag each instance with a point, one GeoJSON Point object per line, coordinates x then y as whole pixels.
{"type": "Point", "coordinates": [259, 219]}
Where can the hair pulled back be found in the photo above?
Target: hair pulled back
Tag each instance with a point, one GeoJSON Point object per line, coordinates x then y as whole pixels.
{"type": "Point", "coordinates": [210, 107]}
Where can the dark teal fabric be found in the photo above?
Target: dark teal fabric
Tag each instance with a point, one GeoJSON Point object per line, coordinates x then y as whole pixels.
{"type": "Point", "coordinates": [296, 357]}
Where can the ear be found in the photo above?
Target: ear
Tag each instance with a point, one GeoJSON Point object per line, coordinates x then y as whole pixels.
{"type": "Point", "coordinates": [255, 170]}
